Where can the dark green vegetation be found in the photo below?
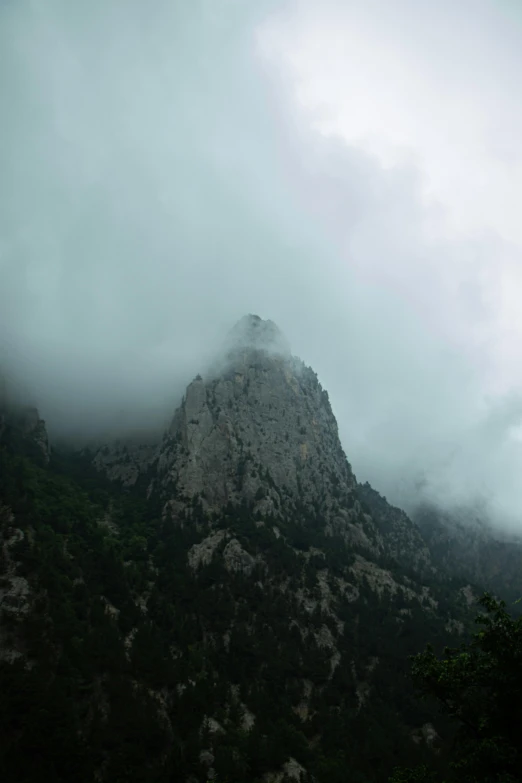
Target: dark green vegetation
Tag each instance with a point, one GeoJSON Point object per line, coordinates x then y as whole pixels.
{"type": "Point", "coordinates": [122, 662]}
{"type": "Point", "coordinates": [479, 686]}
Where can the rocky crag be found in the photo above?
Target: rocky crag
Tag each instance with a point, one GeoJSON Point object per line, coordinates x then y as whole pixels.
{"type": "Point", "coordinates": [228, 602]}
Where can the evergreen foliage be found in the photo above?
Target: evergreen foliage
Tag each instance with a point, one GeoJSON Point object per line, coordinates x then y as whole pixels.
{"type": "Point", "coordinates": [125, 663]}
{"type": "Point", "coordinates": [479, 686]}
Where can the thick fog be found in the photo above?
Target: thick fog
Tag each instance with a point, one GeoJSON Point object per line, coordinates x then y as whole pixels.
{"type": "Point", "coordinates": [350, 170]}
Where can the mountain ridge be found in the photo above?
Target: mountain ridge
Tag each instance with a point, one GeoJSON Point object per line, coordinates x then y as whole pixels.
{"type": "Point", "coordinates": [230, 597]}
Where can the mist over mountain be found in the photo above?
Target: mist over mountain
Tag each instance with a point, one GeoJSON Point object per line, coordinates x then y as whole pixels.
{"type": "Point", "coordinates": [260, 387]}
{"type": "Point", "coordinates": [227, 599]}
{"type": "Point", "coordinates": [163, 173]}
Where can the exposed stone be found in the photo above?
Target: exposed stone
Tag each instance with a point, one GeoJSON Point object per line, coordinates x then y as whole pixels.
{"type": "Point", "coordinates": [202, 553]}
{"type": "Point", "coordinates": [469, 597]}
{"type": "Point", "coordinates": [294, 770]}
{"type": "Point", "coordinates": [426, 733]}
{"type": "Point", "coordinates": [430, 734]}
{"type": "Point", "coordinates": [247, 719]}
{"type": "Point", "coordinates": [380, 579]}
{"type": "Point", "coordinates": [14, 595]}
{"type": "Point", "coordinates": [259, 430]}
{"type": "Point", "coordinates": [125, 462]}
{"type": "Point", "coordinates": [398, 537]}
{"type": "Point", "coordinates": [236, 558]}
{"type": "Point", "coordinates": [213, 726]}
{"type": "Point", "coordinates": [455, 626]}
{"type": "Point", "coordinates": [207, 758]}
{"type": "Point", "coordinates": [108, 524]}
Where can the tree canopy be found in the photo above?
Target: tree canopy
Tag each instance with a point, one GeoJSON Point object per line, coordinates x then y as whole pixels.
{"type": "Point", "coordinates": [478, 686]}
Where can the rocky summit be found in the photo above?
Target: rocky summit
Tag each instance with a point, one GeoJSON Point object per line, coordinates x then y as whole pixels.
{"type": "Point", "coordinates": [259, 431]}
{"type": "Point", "coordinates": [226, 604]}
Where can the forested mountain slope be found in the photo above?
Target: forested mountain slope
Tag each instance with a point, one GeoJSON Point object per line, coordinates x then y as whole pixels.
{"type": "Point", "coordinates": [231, 602]}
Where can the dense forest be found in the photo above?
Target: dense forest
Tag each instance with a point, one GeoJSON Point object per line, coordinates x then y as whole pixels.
{"type": "Point", "coordinates": [479, 686]}
{"type": "Point", "coordinates": [123, 658]}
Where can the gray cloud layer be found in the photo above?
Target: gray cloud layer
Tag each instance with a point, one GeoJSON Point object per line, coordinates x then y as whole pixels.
{"type": "Point", "coordinates": [156, 184]}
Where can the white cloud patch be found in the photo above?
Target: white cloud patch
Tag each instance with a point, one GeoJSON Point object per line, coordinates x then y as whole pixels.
{"type": "Point", "coordinates": [349, 170]}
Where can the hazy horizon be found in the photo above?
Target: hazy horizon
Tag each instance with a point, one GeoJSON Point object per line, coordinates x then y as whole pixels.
{"type": "Point", "coordinates": [350, 170]}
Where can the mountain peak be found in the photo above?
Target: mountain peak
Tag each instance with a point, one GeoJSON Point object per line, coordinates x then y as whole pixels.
{"type": "Point", "coordinates": [253, 333]}
{"type": "Point", "coordinates": [258, 430]}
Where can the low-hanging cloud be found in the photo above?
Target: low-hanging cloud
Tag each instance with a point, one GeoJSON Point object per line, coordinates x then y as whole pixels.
{"type": "Point", "coordinates": [160, 180]}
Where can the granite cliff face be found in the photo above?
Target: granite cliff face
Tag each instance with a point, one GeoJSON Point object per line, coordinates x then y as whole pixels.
{"type": "Point", "coordinates": [260, 429]}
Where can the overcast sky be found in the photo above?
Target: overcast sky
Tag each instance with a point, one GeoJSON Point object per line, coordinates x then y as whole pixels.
{"type": "Point", "coordinates": [350, 169]}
